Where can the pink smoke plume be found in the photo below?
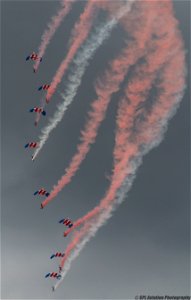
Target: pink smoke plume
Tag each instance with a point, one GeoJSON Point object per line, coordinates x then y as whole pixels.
{"type": "Point", "coordinates": [79, 34]}
{"type": "Point", "coordinates": [52, 27]}
{"type": "Point", "coordinates": [108, 84]}
{"type": "Point", "coordinates": [165, 61]}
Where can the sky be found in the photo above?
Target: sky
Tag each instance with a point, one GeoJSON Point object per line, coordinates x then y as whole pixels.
{"type": "Point", "coordinates": [144, 248]}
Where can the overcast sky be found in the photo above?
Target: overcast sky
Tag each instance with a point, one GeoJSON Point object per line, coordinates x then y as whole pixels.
{"type": "Point", "coordinates": [144, 248]}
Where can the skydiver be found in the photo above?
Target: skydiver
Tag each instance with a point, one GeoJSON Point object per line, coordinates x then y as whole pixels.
{"type": "Point", "coordinates": [31, 145]}
{"type": "Point", "coordinates": [53, 288]}
{"type": "Point", "coordinates": [44, 87]}
{"type": "Point", "coordinates": [60, 269]}
{"type": "Point", "coordinates": [57, 254]}
{"type": "Point", "coordinates": [41, 206]}
{"type": "Point", "coordinates": [42, 192]}
{"type": "Point", "coordinates": [39, 110]}
{"type": "Point", "coordinates": [33, 56]}
{"type": "Point", "coordinates": [67, 222]}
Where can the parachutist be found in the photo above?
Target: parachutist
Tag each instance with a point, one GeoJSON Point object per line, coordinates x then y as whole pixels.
{"type": "Point", "coordinates": [66, 222]}
{"type": "Point", "coordinates": [44, 87]}
{"type": "Point", "coordinates": [42, 192]}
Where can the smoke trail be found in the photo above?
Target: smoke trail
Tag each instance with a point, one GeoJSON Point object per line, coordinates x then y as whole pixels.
{"type": "Point", "coordinates": [106, 86]}
{"type": "Point", "coordinates": [80, 64]}
{"type": "Point", "coordinates": [149, 134]}
{"type": "Point", "coordinates": [80, 33]}
{"type": "Point", "coordinates": [90, 229]}
{"type": "Point", "coordinates": [172, 72]}
{"type": "Point", "coordinates": [52, 27]}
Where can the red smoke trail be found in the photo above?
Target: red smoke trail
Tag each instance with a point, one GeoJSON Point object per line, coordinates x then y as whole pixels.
{"type": "Point", "coordinates": [106, 86]}
{"type": "Point", "coordinates": [78, 235]}
{"type": "Point", "coordinates": [159, 112]}
{"type": "Point", "coordinates": [172, 70]}
{"type": "Point", "coordinates": [135, 91]}
{"type": "Point", "coordinates": [80, 33]}
{"type": "Point", "coordinates": [52, 27]}
{"type": "Point", "coordinates": [171, 86]}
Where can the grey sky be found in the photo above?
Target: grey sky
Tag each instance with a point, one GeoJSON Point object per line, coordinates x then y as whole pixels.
{"type": "Point", "coordinates": [144, 248]}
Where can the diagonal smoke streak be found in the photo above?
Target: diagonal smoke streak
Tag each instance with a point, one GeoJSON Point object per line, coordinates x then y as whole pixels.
{"type": "Point", "coordinates": [109, 83]}
{"type": "Point", "coordinates": [79, 34]}
{"type": "Point", "coordinates": [52, 27]}
{"type": "Point", "coordinates": [173, 71]}
{"type": "Point", "coordinates": [132, 167]}
{"type": "Point", "coordinates": [80, 64]}
{"type": "Point", "coordinates": [150, 134]}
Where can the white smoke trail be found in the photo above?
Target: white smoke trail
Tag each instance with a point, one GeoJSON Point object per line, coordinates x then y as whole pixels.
{"type": "Point", "coordinates": [80, 64]}
{"type": "Point", "coordinates": [100, 220]}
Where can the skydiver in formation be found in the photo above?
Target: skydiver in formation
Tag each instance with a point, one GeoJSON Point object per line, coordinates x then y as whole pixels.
{"type": "Point", "coordinates": [57, 254]}
{"type": "Point", "coordinates": [38, 110]}
{"type": "Point", "coordinates": [42, 192]}
{"type": "Point", "coordinates": [44, 87]}
{"type": "Point", "coordinates": [31, 145]}
{"type": "Point", "coordinates": [54, 275]}
{"type": "Point", "coordinates": [33, 56]}
{"type": "Point", "coordinates": [66, 222]}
